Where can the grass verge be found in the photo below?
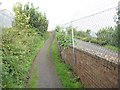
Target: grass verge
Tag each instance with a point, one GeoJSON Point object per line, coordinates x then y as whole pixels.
{"type": "Point", "coordinates": [68, 80]}
{"type": "Point", "coordinates": [112, 48]}
{"type": "Point", "coordinates": [33, 82]}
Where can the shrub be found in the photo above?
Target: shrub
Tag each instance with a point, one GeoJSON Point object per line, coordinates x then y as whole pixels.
{"type": "Point", "coordinates": [19, 48]}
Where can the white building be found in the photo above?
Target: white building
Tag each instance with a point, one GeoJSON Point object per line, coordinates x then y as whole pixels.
{"type": "Point", "coordinates": [6, 18]}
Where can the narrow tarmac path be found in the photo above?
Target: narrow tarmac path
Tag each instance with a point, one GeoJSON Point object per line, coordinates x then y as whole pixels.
{"type": "Point", "coordinates": [46, 70]}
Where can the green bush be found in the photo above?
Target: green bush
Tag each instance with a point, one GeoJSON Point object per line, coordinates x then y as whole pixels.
{"type": "Point", "coordinates": [93, 40]}
{"type": "Point", "coordinates": [63, 40]}
{"type": "Point", "coordinates": [19, 48]}
{"type": "Point", "coordinates": [101, 42]}
{"type": "Point", "coordinates": [112, 48]}
{"type": "Point", "coordinates": [85, 39]}
{"type": "Point", "coordinates": [27, 16]}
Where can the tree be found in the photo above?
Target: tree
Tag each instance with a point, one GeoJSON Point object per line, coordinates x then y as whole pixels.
{"type": "Point", "coordinates": [108, 35]}
{"type": "Point", "coordinates": [58, 28]}
{"type": "Point", "coordinates": [69, 30]}
{"type": "Point", "coordinates": [88, 31]}
{"type": "Point", "coordinates": [27, 16]}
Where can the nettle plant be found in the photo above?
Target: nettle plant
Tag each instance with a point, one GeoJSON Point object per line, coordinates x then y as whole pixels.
{"type": "Point", "coordinates": [63, 39]}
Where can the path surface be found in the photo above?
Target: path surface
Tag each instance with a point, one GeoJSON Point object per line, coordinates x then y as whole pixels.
{"type": "Point", "coordinates": [47, 74]}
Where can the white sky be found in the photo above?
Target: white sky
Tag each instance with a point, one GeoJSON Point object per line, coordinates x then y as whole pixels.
{"type": "Point", "coordinates": [62, 11]}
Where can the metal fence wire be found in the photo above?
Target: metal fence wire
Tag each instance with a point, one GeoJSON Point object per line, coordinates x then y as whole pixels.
{"type": "Point", "coordinates": [104, 21]}
{"type": "Point", "coordinates": [94, 55]}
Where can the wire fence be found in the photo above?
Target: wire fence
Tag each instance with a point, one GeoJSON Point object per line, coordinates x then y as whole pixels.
{"type": "Point", "coordinates": [94, 55]}
{"type": "Point", "coordinates": [102, 38]}
{"type": "Point", "coordinates": [96, 21]}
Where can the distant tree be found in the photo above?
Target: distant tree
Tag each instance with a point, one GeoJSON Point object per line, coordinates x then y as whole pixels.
{"type": "Point", "coordinates": [108, 35]}
{"type": "Point", "coordinates": [69, 30]}
{"type": "Point", "coordinates": [27, 16]}
{"type": "Point", "coordinates": [19, 15]}
{"type": "Point", "coordinates": [58, 28]}
{"type": "Point", "coordinates": [88, 31]}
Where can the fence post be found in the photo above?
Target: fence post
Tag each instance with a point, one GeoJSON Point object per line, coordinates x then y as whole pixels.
{"type": "Point", "coordinates": [118, 26]}
{"type": "Point", "coordinates": [1, 25]}
{"type": "Point", "coordinates": [73, 44]}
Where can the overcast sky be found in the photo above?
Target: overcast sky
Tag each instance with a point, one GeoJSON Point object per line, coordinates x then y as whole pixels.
{"type": "Point", "coordinates": [62, 11]}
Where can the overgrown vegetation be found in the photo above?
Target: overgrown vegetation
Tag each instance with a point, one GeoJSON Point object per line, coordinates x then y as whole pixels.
{"type": "Point", "coordinates": [33, 81]}
{"type": "Point", "coordinates": [105, 37]}
{"type": "Point", "coordinates": [19, 49]}
{"type": "Point", "coordinates": [63, 40]}
{"type": "Point", "coordinates": [27, 16]}
{"type": "Point", "coordinates": [67, 78]}
{"type": "Point", "coordinates": [21, 43]}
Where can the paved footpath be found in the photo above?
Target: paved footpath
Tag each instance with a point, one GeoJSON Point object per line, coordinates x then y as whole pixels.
{"type": "Point", "coordinates": [47, 73]}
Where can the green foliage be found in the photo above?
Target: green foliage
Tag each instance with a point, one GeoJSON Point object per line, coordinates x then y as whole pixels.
{"type": "Point", "coordinates": [68, 80]}
{"type": "Point", "coordinates": [69, 30]}
{"type": "Point", "coordinates": [108, 36]}
{"type": "Point", "coordinates": [88, 31]}
{"type": "Point", "coordinates": [58, 28]}
{"type": "Point", "coordinates": [33, 82]}
{"type": "Point", "coordinates": [19, 48]}
{"type": "Point", "coordinates": [27, 16]}
{"type": "Point", "coordinates": [105, 36]}
{"type": "Point", "coordinates": [63, 39]}
{"type": "Point", "coordinates": [112, 48]}
{"type": "Point", "coordinates": [21, 18]}
{"type": "Point", "coordinates": [94, 40]}
{"type": "Point", "coordinates": [83, 35]}
{"type": "Point", "coordinates": [21, 43]}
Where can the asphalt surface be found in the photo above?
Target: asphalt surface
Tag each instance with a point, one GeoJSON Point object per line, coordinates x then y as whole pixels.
{"type": "Point", "coordinates": [46, 70]}
{"type": "Point", "coordinates": [97, 50]}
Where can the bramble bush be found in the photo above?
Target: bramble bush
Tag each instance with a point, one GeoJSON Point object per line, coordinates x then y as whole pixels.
{"type": "Point", "coordinates": [63, 39]}
{"type": "Point", "coordinates": [19, 49]}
